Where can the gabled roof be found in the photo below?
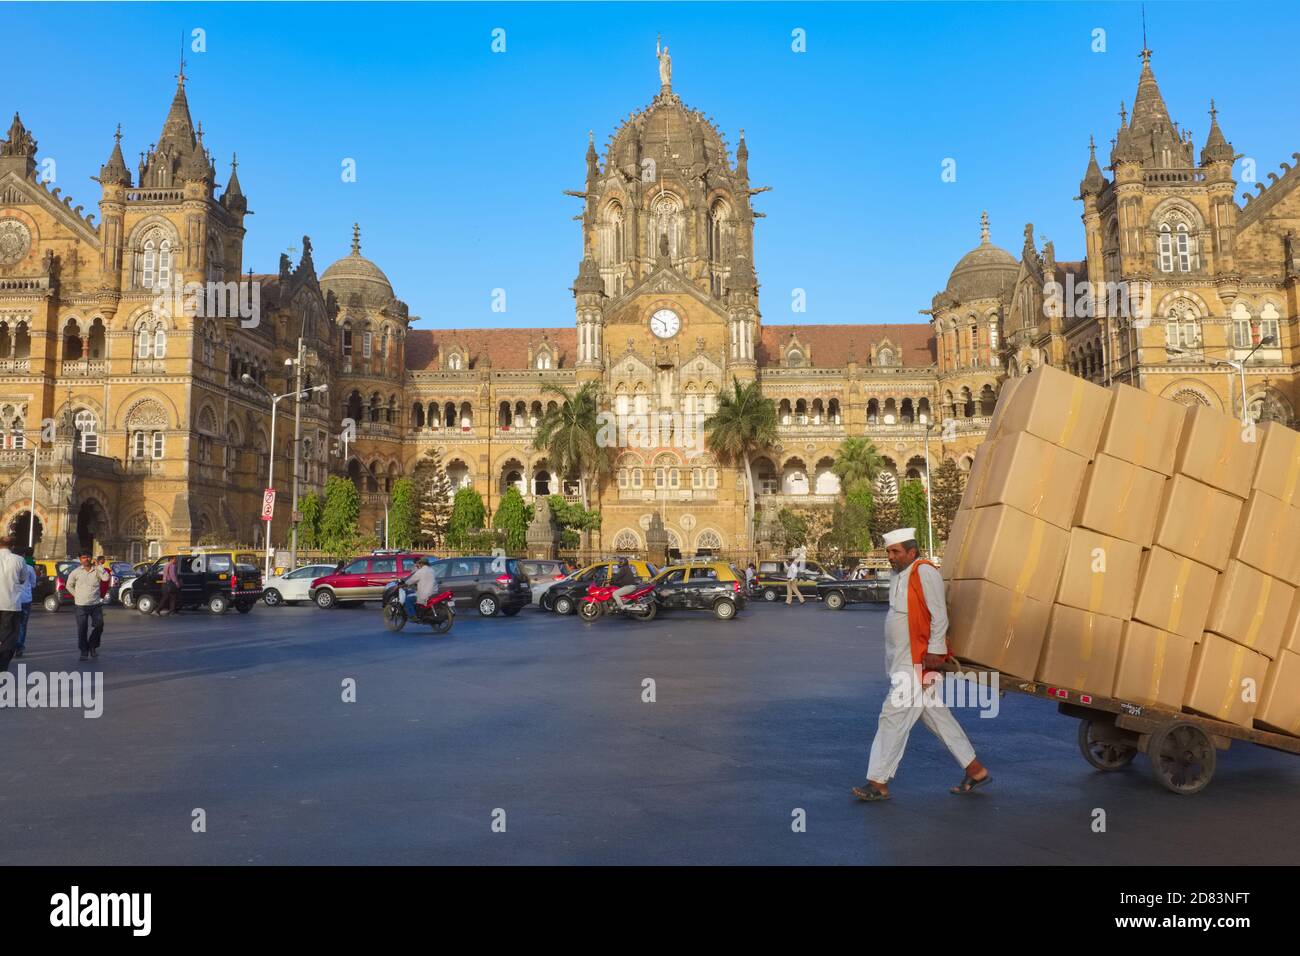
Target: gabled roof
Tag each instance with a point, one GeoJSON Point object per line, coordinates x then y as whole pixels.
{"type": "Point", "coordinates": [503, 348]}
{"type": "Point", "coordinates": [834, 346]}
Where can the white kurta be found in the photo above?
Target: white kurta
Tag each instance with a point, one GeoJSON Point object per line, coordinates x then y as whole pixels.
{"type": "Point", "coordinates": [897, 717]}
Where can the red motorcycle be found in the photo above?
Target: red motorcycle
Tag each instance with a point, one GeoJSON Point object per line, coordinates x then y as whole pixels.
{"type": "Point", "coordinates": [438, 612]}
{"type": "Point", "coordinates": [640, 605]}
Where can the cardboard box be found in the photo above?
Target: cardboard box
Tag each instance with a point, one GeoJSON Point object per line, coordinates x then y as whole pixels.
{"type": "Point", "coordinates": [1197, 521]}
{"type": "Point", "coordinates": [953, 546]}
{"type": "Point", "coordinates": [1142, 429]}
{"type": "Point", "coordinates": [1213, 450]}
{"type": "Point", "coordinates": [996, 627]}
{"type": "Point", "coordinates": [1100, 574]}
{"type": "Point", "coordinates": [1279, 702]}
{"type": "Point", "coordinates": [975, 480]}
{"type": "Point", "coordinates": [1250, 608]}
{"type": "Point", "coordinates": [1268, 537]}
{"type": "Point", "coordinates": [1059, 408]}
{"type": "Point", "coordinates": [1278, 469]}
{"type": "Point", "coordinates": [1219, 677]}
{"type": "Point", "coordinates": [1174, 593]}
{"type": "Point", "coordinates": [1291, 630]}
{"type": "Point", "coordinates": [1005, 394]}
{"type": "Point", "coordinates": [1038, 478]}
{"type": "Point", "coordinates": [1014, 550]}
{"type": "Point", "coordinates": [1152, 666]}
{"type": "Point", "coordinates": [1080, 650]}
{"type": "Point", "coordinates": [1120, 499]}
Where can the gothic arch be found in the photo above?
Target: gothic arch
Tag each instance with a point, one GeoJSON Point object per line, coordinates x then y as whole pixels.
{"type": "Point", "coordinates": [1173, 210]}
{"type": "Point", "coordinates": [708, 538]}
{"type": "Point", "coordinates": [627, 540]}
{"type": "Point", "coordinates": [147, 408]}
{"type": "Point", "coordinates": [1191, 392]}
{"type": "Point", "coordinates": [1173, 297]}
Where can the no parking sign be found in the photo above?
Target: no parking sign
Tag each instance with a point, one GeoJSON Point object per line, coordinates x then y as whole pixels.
{"type": "Point", "coordinates": [268, 504]}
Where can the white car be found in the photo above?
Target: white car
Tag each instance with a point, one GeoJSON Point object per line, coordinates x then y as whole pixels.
{"type": "Point", "coordinates": [291, 587]}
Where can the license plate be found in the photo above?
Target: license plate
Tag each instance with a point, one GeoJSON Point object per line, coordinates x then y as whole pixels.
{"type": "Point", "coordinates": [249, 585]}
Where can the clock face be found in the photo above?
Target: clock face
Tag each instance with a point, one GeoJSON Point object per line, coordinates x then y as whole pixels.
{"type": "Point", "coordinates": [665, 323]}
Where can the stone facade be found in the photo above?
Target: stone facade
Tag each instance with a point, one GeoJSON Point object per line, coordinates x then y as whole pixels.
{"type": "Point", "coordinates": [149, 436]}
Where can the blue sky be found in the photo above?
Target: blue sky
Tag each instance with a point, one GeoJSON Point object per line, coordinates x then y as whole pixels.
{"type": "Point", "coordinates": [462, 154]}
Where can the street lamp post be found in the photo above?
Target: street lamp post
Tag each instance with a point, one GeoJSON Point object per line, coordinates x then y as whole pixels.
{"type": "Point", "coordinates": [31, 522]}
{"type": "Point", "coordinates": [1237, 365]}
{"type": "Point", "coordinates": [270, 471]}
{"type": "Point", "coordinates": [929, 518]}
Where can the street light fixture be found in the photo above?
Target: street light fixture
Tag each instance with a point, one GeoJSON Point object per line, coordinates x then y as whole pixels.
{"type": "Point", "coordinates": [270, 474]}
{"type": "Point", "coordinates": [929, 488]}
{"type": "Point", "coordinates": [1237, 365]}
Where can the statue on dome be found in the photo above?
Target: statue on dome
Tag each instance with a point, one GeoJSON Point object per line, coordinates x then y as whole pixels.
{"type": "Point", "coordinates": [665, 64]}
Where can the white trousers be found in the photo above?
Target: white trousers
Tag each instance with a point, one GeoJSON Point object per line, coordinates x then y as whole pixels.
{"type": "Point", "coordinates": [897, 717]}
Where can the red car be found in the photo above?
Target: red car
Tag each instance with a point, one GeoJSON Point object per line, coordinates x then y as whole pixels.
{"type": "Point", "coordinates": [362, 579]}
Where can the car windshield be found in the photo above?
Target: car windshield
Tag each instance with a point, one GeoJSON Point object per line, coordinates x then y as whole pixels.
{"type": "Point", "coordinates": [245, 561]}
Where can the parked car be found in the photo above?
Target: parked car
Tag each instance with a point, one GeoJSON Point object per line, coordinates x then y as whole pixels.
{"type": "Point", "coordinates": [872, 587]}
{"type": "Point", "coordinates": [362, 579]}
{"type": "Point", "coordinates": [294, 586]}
{"type": "Point", "coordinates": [212, 579]}
{"type": "Point", "coordinates": [123, 571]}
{"type": "Point", "coordinates": [700, 586]}
{"type": "Point", "coordinates": [492, 585]}
{"type": "Point", "coordinates": [562, 596]}
{"type": "Point", "coordinates": [769, 582]}
{"type": "Point", "coordinates": [56, 595]}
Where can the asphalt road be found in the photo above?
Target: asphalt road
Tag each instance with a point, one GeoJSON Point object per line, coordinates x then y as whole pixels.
{"type": "Point", "coordinates": [538, 722]}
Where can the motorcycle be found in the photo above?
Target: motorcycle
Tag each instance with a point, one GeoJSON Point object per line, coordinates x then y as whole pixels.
{"type": "Point", "coordinates": [640, 605]}
{"type": "Point", "coordinates": [438, 612]}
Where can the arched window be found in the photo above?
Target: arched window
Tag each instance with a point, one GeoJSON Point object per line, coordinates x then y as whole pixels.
{"type": "Point", "coordinates": [885, 357]}
{"type": "Point", "coordinates": [1182, 329]}
{"type": "Point", "coordinates": [794, 358]}
{"type": "Point", "coordinates": [1166, 248]}
{"type": "Point", "coordinates": [86, 426]}
{"type": "Point", "coordinates": [543, 360]}
{"type": "Point", "coordinates": [1182, 248]}
{"type": "Point", "coordinates": [454, 361]}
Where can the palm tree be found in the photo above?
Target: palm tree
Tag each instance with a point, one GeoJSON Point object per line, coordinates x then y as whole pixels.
{"type": "Point", "coordinates": [567, 433]}
{"type": "Point", "coordinates": [743, 425]}
{"type": "Point", "coordinates": [856, 462]}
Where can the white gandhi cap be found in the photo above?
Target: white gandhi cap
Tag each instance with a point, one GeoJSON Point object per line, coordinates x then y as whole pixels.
{"type": "Point", "coordinates": [899, 535]}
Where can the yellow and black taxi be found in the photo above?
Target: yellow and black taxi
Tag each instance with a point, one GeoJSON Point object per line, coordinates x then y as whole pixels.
{"type": "Point", "coordinates": [700, 586]}
{"type": "Point", "coordinates": [562, 596]}
{"type": "Point", "coordinates": [216, 579]}
{"type": "Point", "coordinates": [769, 581]}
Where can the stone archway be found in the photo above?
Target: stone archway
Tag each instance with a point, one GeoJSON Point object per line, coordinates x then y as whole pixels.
{"type": "Point", "coordinates": [91, 527]}
{"type": "Point", "coordinates": [21, 528]}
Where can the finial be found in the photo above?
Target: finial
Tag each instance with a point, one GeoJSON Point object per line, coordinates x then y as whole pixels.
{"type": "Point", "coordinates": [591, 138]}
{"type": "Point", "coordinates": [984, 226]}
{"type": "Point", "coordinates": [234, 161]}
{"type": "Point", "coordinates": [356, 239]}
{"type": "Point", "coordinates": [118, 134]}
{"type": "Point", "coordinates": [1123, 114]}
{"type": "Point", "coordinates": [1213, 112]}
{"type": "Point", "coordinates": [180, 75]}
{"type": "Point", "coordinates": [198, 131]}
{"type": "Point", "coordinates": [1146, 51]}
{"type": "Point", "coordinates": [1092, 145]}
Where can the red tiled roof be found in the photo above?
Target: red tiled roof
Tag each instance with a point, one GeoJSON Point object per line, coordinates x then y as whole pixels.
{"type": "Point", "coordinates": [503, 348]}
{"type": "Point", "coordinates": [836, 345]}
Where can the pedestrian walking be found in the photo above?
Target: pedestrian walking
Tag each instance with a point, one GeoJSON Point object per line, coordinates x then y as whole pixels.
{"type": "Point", "coordinates": [12, 575]}
{"type": "Point", "coordinates": [107, 583]}
{"type": "Point", "coordinates": [171, 587]}
{"type": "Point", "coordinates": [916, 641]}
{"type": "Point", "coordinates": [792, 581]}
{"type": "Point", "coordinates": [25, 600]}
{"type": "Point", "coordinates": [84, 585]}
{"type": "Point", "coordinates": [750, 573]}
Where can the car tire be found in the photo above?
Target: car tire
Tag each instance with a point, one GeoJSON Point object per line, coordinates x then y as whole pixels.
{"type": "Point", "coordinates": [243, 607]}
{"type": "Point", "coordinates": [51, 603]}
{"type": "Point", "coordinates": [146, 604]}
{"type": "Point", "coordinates": [724, 609]}
{"type": "Point", "coordinates": [218, 604]}
{"type": "Point", "coordinates": [488, 605]}
{"type": "Point", "coordinates": [563, 605]}
{"type": "Point", "coordinates": [769, 594]}
{"type": "Point", "coordinates": [835, 600]}
{"type": "Point", "coordinates": [272, 598]}
{"type": "Point", "coordinates": [325, 599]}
{"type": "Point", "coordinates": [127, 598]}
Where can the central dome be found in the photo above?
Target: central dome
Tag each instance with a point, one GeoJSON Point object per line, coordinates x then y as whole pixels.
{"type": "Point", "coordinates": [986, 272]}
{"type": "Point", "coordinates": [354, 273]}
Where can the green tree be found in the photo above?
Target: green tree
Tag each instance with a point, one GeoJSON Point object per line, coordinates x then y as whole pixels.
{"type": "Point", "coordinates": [434, 487]}
{"type": "Point", "coordinates": [911, 511]}
{"type": "Point", "coordinates": [946, 484]}
{"type": "Point", "coordinates": [794, 528]}
{"type": "Point", "coordinates": [571, 519]}
{"type": "Point", "coordinates": [884, 517]}
{"type": "Point", "coordinates": [851, 521]}
{"type": "Point", "coordinates": [309, 526]}
{"type": "Point", "coordinates": [512, 519]}
{"type": "Point", "coordinates": [743, 425]}
{"type": "Point", "coordinates": [404, 514]}
{"type": "Point", "coordinates": [339, 533]}
{"type": "Point", "coordinates": [568, 433]}
{"type": "Point", "coordinates": [856, 462]}
{"type": "Point", "coordinates": [467, 517]}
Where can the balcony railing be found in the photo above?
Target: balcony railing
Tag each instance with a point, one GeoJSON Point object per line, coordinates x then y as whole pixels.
{"type": "Point", "coordinates": [15, 366]}
{"type": "Point", "coordinates": [88, 367]}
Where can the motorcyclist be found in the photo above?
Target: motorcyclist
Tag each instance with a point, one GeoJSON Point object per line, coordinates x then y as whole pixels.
{"type": "Point", "coordinates": [624, 580]}
{"type": "Point", "coordinates": [421, 584]}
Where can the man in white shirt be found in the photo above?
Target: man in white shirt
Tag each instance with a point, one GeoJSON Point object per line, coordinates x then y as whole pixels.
{"type": "Point", "coordinates": [13, 573]}
{"type": "Point", "coordinates": [25, 601]}
{"type": "Point", "coordinates": [916, 641]}
{"type": "Point", "coordinates": [421, 585]}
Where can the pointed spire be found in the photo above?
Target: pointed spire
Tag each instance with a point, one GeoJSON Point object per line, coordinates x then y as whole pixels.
{"type": "Point", "coordinates": [1123, 116]}
{"type": "Point", "coordinates": [742, 157]}
{"type": "Point", "coordinates": [115, 171]}
{"type": "Point", "coordinates": [588, 280]}
{"type": "Point", "coordinates": [1149, 111]}
{"type": "Point", "coordinates": [1093, 181]}
{"type": "Point", "coordinates": [356, 239]}
{"type": "Point", "coordinates": [984, 228]}
{"type": "Point", "coordinates": [233, 198]}
{"type": "Point", "coordinates": [1217, 148]}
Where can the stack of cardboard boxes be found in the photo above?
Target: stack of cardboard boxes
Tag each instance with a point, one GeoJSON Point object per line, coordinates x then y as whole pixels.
{"type": "Point", "coordinates": [1120, 544]}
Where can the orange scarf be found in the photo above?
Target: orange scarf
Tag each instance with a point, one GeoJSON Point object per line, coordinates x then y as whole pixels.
{"type": "Point", "coordinates": [918, 614]}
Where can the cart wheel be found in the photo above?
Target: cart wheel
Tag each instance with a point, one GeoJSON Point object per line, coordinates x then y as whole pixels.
{"type": "Point", "coordinates": [1182, 757]}
{"type": "Point", "coordinates": [1104, 754]}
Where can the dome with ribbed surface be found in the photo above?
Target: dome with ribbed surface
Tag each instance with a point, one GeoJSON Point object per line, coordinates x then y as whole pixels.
{"type": "Point", "coordinates": [354, 273]}
{"type": "Point", "coordinates": [986, 272]}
